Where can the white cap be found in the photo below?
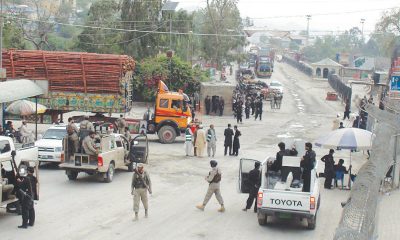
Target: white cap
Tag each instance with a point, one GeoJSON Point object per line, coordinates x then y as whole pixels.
{"type": "Point", "coordinates": [140, 165]}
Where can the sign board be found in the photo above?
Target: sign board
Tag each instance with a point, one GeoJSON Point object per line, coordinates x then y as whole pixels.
{"type": "Point", "coordinates": [395, 83]}
{"type": "Point", "coordinates": [3, 73]}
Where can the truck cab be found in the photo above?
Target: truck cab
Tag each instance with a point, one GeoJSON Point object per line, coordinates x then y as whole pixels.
{"type": "Point", "coordinates": [50, 146]}
{"type": "Point", "coordinates": [171, 116]}
{"type": "Point", "coordinates": [22, 151]}
{"type": "Point", "coordinates": [113, 154]}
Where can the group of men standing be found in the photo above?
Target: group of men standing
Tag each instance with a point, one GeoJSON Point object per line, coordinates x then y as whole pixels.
{"type": "Point", "coordinates": [215, 105]}
{"type": "Point", "coordinates": [252, 105]}
{"type": "Point", "coordinates": [199, 139]}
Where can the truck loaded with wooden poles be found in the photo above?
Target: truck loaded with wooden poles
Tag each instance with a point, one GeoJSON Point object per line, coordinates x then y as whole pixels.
{"type": "Point", "coordinates": [75, 81]}
{"type": "Point", "coordinates": [97, 83]}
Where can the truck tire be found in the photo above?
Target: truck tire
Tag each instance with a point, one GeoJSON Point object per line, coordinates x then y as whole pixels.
{"type": "Point", "coordinates": [110, 173]}
{"type": "Point", "coordinates": [167, 134]}
{"type": "Point", "coordinates": [72, 175]}
{"type": "Point", "coordinates": [131, 167]}
{"type": "Point", "coordinates": [312, 222]}
{"type": "Point", "coordinates": [262, 219]}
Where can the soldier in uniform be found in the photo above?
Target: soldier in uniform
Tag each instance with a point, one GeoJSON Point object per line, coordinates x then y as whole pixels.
{"type": "Point", "coordinates": [73, 139]}
{"type": "Point", "coordinates": [121, 124]}
{"type": "Point", "coordinates": [89, 145]}
{"type": "Point", "coordinates": [127, 134]}
{"type": "Point", "coordinates": [28, 193]}
{"type": "Point", "coordinates": [214, 179]}
{"type": "Point", "coordinates": [141, 183]}
{"type": "Point", "coordinates": [85, 128]}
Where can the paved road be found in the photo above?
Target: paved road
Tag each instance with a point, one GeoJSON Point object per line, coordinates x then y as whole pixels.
{"type": "Point", "coordinates": [88, 209]}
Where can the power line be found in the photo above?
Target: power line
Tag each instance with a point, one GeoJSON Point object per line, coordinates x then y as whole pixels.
{"type": "Point", "coordinates": [122, 42]}
{"type": "Point", "coordinates": [326, 14]}
{"type": "Point", "coordinates": [123, 29]}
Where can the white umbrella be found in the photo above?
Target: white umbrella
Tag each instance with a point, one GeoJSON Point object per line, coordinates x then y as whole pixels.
{"type": "Point", "coordinates": [346, 138]}
{"type": "Point", "coordinates": [25, 108]}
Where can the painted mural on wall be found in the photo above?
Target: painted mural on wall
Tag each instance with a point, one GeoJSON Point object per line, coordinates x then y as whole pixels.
{"type": "Point", "coordinates": [66, 101]}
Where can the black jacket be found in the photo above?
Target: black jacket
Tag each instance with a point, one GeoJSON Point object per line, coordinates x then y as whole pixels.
{"type": "Point", "coordinates": [309, 161]}
{"type": "Point", "coordinates": [329, 163]}
{"type": "Point", "coordinates": [29, 186]}
{"type": "Point", "coordinates": [254, 178]}
{"type": "Point", "coordinates": [228, 133]}
{"type": "Point", "coordinates": [236, 142]}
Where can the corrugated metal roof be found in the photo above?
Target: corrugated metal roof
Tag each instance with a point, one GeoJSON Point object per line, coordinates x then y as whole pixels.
{"type": "Point", "coordinates": [18, 89]}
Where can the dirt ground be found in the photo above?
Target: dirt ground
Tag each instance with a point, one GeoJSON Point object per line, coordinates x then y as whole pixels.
{"type": "Point", "coordinates": [90, 209]}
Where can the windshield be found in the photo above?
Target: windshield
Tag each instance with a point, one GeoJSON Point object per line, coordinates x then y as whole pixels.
{"type": "Point", "coordinates": [57, 134]}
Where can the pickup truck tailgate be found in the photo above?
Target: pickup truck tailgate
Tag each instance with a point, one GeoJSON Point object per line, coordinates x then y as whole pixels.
{"type": "Point", "coordinates": [287, 200]}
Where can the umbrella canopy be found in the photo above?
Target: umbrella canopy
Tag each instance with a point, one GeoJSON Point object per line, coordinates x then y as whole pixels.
{"type": "Point", "coordinates": [346, 138]}
{"type": "Point", "coordinates": [25, 108]}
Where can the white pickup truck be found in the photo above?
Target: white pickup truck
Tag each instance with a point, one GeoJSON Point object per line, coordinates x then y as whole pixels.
{"type": "Point", "coordinates": [50, 147]}
{"type": "Point", "coordinates": [27, 153]}
{"type": "Point", "coordinates": [281, 194]}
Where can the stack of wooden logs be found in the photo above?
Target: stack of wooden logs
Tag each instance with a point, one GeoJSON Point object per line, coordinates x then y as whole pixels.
{"type": "Point", "coordinates": [69, 71]}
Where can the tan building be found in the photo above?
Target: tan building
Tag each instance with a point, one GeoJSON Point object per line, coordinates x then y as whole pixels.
{"type": "Point", "coordinates": [322, 68]}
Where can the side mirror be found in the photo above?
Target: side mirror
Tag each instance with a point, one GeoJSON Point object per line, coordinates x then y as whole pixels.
{"type": "Point", "coordinates": [40, 136]}
{"type": "Point", "coordinates": [13, 153]}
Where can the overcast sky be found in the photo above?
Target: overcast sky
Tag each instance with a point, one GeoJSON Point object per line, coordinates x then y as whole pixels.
{"type": "Point", "coordinates": [290, 14]}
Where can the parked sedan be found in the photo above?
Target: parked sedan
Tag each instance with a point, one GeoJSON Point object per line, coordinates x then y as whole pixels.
{"type": "Point", "coordinates": [276, 86]}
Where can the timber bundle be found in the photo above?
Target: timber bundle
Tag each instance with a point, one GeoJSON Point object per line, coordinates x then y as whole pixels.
{"type": "Point", "coordinates": [69, 71]}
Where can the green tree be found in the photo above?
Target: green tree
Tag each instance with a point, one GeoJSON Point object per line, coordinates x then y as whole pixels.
{"type": "Point", "coordinates": [177, 74]}
{"type": "Point", "coordinates": [103, 13]}
{"type": "Point", "coordinates": [221, 18]}
{"type": "Point", "coordinates": [36, 33]}
{"type": "Point", "coordinates": [387, 31]}
{"type": "Point", "coordinates": [142, 16]}
{"type": "Point", "coordinates": [64, 12]}
{"type": "Point", "coordinates": [13, 36]}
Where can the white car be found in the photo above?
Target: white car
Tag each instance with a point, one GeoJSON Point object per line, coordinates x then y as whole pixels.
{"type": "Point", "coordinates": [276, 86]}
{"type": "Point", "coordinates": [51, 145]}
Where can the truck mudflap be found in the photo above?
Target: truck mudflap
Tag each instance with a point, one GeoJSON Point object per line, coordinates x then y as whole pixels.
{"type": "Point", "coordinates": [285, 213]}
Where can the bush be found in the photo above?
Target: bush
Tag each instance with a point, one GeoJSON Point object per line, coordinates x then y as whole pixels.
{"type": "Point", "coordinates": [175, 73]}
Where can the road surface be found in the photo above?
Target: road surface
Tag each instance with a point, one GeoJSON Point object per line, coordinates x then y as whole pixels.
{"type": "Point", "coordinates": [90, 209]}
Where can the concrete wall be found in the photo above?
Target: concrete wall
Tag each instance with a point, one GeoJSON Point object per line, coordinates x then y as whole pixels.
{"type": "Point", "coordinates": [218, 89]}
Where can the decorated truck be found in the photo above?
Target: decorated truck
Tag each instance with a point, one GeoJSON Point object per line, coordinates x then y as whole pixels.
{"type": "Point", "coordinates": [75, 81]}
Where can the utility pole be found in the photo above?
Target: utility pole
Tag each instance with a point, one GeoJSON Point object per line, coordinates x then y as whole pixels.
{"type": "Point", "coordinates": [2, 119]}
{"type": "Point", "coordinates": [362, 21]}
{"type": "Point", "coordinates": [170, 30]}
{"type": "Point", "coordinates": [1, 35]}
{"type": "Point", "coordinates": [308, 28]}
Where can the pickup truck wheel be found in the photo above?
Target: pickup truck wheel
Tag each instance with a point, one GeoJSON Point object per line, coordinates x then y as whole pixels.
{"type": "Point", "coordinates": [167, 134]}
{"type": "Point", "coordinates": [262, 219]}
{"type": "Point", "coordinates": [110, 173]}
{"type": "Point", "coordinates": [72, 175]}
{"type": "Point", "coordinates": [312, 222]}
{"type": "Point", "coordinates": [131, 167]}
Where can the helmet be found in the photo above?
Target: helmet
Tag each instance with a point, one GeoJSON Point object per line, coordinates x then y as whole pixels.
{"type": "Point", "coordinates": [213, 163]}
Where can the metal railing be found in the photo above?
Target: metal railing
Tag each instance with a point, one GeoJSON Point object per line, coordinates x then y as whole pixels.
{"type": "Point", "coordinates": [358, 220]}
